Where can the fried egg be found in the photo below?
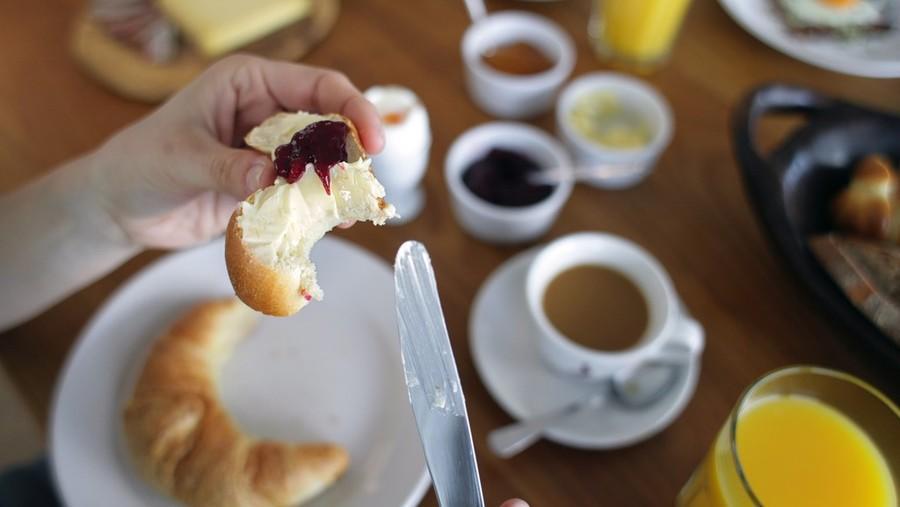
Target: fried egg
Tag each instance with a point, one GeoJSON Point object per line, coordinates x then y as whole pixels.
{"type": "Point", "coordinates": [834, 13]}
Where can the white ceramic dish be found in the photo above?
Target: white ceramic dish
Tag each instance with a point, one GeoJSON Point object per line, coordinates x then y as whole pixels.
{"type": "Point", "coordinates": [326, 373]}
{"type": "Point", "coordinates": [503, 341]}
{"type": "Point", "coordinates": [504, 95]}
{"type": "Point", "coordinates": [504, 224]}
{"type": "Point", "coordinates": [632, 94]}
{"type": "Point", "coordinates": [872, 56]}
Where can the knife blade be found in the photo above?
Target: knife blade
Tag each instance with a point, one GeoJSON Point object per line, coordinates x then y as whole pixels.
{"type": "Point", "coordinates": [432, 381]}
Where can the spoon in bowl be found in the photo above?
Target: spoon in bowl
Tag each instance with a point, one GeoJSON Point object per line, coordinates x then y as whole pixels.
{"type": "Point", "coordinates": [635, 390]}
{"type": "Point", "coordinates": [557, 175]}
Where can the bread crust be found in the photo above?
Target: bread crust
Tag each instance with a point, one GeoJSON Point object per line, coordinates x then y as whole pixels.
{"type": "Point", "coordinates": [261, 286]}
{"type": "Point", "coordinates": [870, 205]}
{"type": "Point", "coordinates": [185, 443]}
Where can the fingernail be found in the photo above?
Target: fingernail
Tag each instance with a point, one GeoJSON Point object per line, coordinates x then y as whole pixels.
{"type": "Point", "coordinates": [254, 177]}
{"type": "Point", "coordinates": [378, 142]}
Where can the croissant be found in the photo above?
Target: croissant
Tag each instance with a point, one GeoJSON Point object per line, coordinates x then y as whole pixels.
{"type": "Point", "coordinates": [183, 441]}
{"type": "Point", "coordinates": [870, 205]}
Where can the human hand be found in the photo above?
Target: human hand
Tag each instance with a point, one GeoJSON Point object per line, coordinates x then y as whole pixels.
{"type": "Point", "coordinates": [172, 179]}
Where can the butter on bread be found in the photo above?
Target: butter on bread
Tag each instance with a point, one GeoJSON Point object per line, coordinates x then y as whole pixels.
{"type": "Point", "coordinates": [870, 205]}
{"type": "Point", "coordinates": [271, 233]}
{"type": "Point", "coordinates": [219, 26]}
{"type": "Point", "coordinates": [184, 442]}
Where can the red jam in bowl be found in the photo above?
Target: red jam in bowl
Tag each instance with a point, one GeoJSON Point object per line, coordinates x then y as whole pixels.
{"type": "Point", "coordinates": [322, 144]}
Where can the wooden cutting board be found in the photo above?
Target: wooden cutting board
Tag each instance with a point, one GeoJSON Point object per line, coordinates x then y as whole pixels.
{"type": "Point", "coordinates": [126, 72]}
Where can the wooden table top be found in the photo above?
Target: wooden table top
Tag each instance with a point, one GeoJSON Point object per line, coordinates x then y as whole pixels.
{"type": "Point", "coordinates": [691, 213]}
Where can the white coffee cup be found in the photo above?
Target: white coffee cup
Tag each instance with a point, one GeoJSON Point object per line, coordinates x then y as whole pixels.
{"type": "Point", "coordinates": [671, 334]}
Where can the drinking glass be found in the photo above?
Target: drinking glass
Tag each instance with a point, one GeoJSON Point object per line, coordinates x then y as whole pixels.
{"type": "Point", "coordinates": [637, 33]}
{"type": "Point", "coordinates": [721, 479]}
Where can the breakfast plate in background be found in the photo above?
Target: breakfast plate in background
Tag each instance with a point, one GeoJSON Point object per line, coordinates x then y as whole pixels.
{"type": "Point", "coordinates": [504, 346]}
{"type": "Point", "coordinates": [865, 54]}
{"type": "Point", "coordinates": [329, 373]}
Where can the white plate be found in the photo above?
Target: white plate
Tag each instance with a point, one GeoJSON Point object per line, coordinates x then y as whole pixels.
{"type": "Point", "coordinates": [331, 372]}
{"type": "Point", "coordinates": [502, 337]}
{"type": "Point", "coordinates": [877, 55]}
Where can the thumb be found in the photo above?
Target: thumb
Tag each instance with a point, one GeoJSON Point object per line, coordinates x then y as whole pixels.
{"type": "Point", "coordinates": [233, 171]}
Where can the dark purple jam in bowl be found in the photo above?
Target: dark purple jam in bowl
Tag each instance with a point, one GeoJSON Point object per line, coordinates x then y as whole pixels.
{"type": "Point", "coordinates": [501, 177]}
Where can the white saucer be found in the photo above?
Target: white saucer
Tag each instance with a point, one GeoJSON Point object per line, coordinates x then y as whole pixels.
{"type": "Point", "coordinates": [502, 336]}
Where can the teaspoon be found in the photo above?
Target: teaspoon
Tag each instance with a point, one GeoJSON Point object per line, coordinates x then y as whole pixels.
{"type": "Point", "coordinates": [638, 389]}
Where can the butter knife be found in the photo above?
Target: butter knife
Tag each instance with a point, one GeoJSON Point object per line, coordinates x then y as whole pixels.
{"type": "Point", "coordinates": [432, 381]}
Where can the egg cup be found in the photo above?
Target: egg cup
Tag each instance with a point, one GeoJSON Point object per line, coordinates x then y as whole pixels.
{"type": "Point", "coordinates": [403, 162]}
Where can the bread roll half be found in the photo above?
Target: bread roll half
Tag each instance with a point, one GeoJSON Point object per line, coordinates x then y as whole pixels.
{"type": "Point", "coordinates": [270, 234]}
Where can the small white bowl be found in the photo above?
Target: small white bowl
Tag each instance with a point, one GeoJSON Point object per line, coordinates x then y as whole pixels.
{"type": "Point", "coordinates": [512, 96]}
{"type": "Point", "coordinates": [633, 94]}
{"type": "Point", "coordinates": [505, 224]}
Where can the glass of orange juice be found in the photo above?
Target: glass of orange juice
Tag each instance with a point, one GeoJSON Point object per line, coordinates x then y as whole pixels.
{"type": "Point", "coordinates": [639, 33]}
{"type": "Point", "coordinates": [803, 436]}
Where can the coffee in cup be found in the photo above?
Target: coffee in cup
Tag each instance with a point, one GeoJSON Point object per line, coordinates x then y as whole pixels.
{"type": "Point", "coordinates": [597, 306]}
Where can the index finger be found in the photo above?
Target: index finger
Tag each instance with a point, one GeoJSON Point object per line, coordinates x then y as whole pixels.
{"type": "Point", "coordinates": [298, 87]}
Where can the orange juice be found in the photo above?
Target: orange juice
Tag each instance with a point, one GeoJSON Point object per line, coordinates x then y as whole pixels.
{"type": "Point", "coordinates": [798, 451]}
{"type": "Point", "coordinates": [638, 31]}
{"type": "Point", "coordinates": [794, 451]}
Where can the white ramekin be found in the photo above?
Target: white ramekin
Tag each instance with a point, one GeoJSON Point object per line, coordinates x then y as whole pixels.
{"type": "Point", "coordinates": [512, 96]}
{"type": "Point", "coordinates": [632, 93]}
{"type": "Point", "coordinates": [505, 224]}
